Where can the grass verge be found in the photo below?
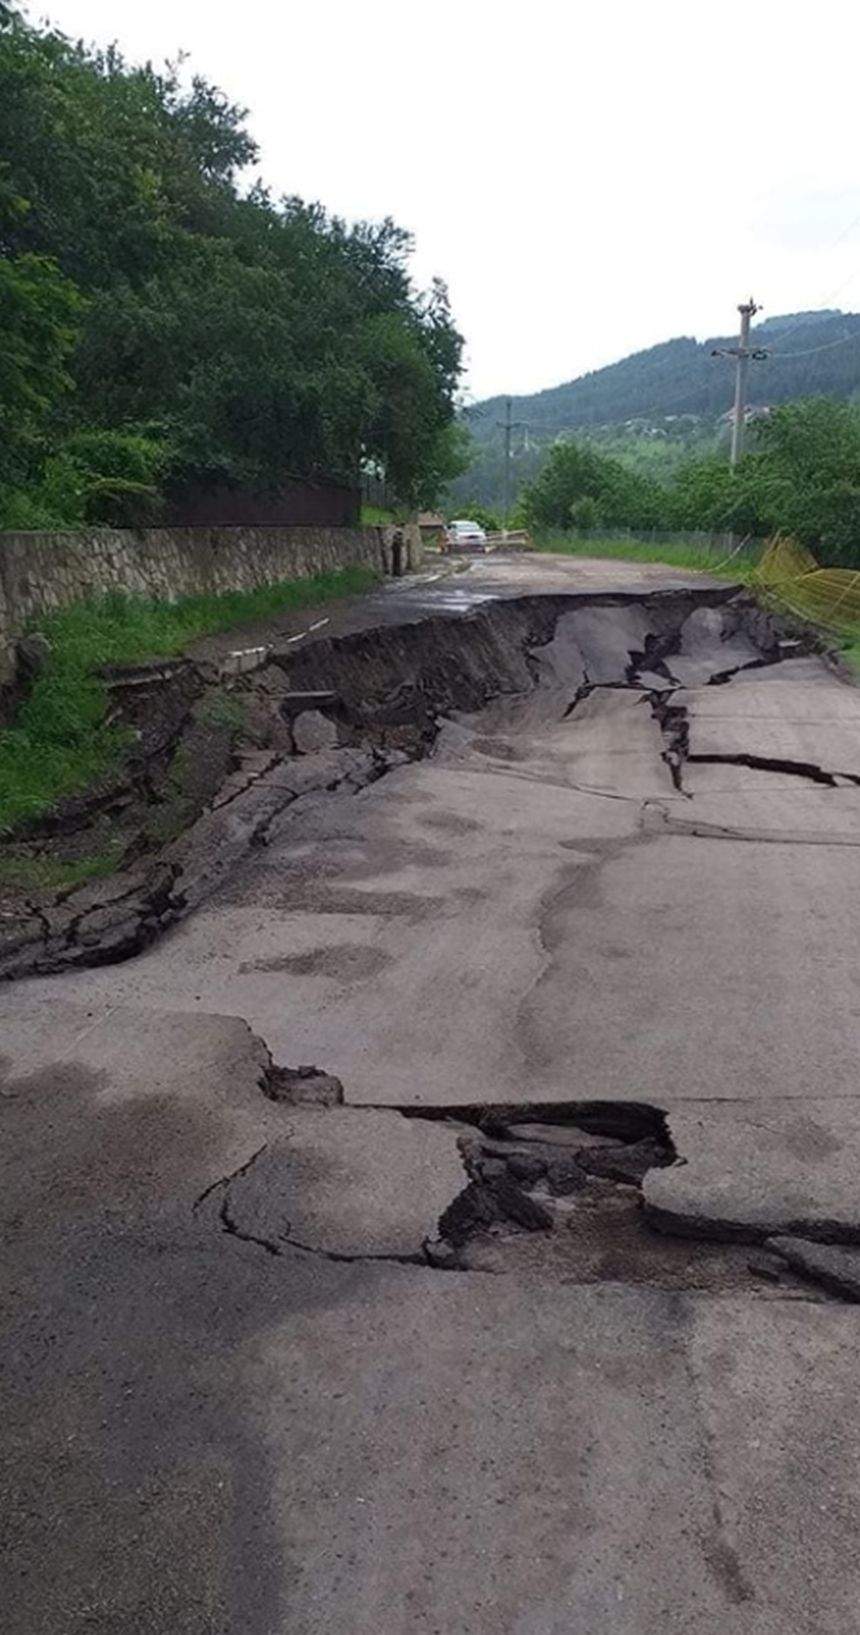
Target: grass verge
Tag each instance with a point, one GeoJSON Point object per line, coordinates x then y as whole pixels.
{"type": "Point", "coordinates": [675, 554]}
{"type": "Point", "coordinates": [375, 516]}
{"type": "Point", "coordinates": [849, 650]}
{"type": "Point", "coordinates": [60, 742]}
{"type": "Point", "coordinates": [53, 873]}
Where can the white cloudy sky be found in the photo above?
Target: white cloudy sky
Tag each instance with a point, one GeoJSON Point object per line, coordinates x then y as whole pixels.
{"type": "Point", "coordinates": [590, 178]}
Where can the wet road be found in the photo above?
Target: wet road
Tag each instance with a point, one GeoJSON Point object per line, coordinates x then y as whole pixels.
{"type": "Point", "coordinates": [455, 586]}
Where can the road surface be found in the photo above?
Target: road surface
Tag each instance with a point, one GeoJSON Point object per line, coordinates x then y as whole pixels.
{"type": "Point", "coordinates": [238, 1400]}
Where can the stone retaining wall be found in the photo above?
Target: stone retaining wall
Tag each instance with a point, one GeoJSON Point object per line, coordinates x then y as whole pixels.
{"type": "Point", "coordinates": [43, 571]}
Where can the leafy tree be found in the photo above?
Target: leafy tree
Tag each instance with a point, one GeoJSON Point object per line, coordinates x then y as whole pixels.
{"type": "Point", "coordinates": [490, 521]}
{"type": "Point", "coordinates": [573, 473]}
{"type": "Point", "coordinates": [801, 476]}
{"type": "Point", "coordinates": [94, 477]}
{"type": "Point", "coordinates": [38, 313]}
{"type": "Point", "coordinates": [239, 337]}
{"type": "Point", "coordinates": [704, 494]}
{"type": "Point", "coordinates": [808, 465]}
{"type": "Point", "coordinates": [585, 513]}
{"type": "Point", "coordinates": [814, 440]}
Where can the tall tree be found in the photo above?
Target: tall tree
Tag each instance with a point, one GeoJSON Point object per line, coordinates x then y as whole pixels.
{"type": "Point", "coordinates": [228, 334]}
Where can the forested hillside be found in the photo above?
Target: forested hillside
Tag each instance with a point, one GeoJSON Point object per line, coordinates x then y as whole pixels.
{"type": "Point", "coordinates": [655, 408]}
{"type": "Point", "coordinates": [809, 354]}
{"type": "Point", "coordinates": [164, 324]}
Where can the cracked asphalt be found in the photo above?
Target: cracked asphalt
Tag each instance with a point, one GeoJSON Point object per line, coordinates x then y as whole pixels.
{"type": "Point", "coordinates": [236, 1400]}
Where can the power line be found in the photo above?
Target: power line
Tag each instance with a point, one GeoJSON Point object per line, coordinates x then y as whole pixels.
{"type": "Point", "coordinates": [826, 299]}
{"type": "Point", "coordinates": [810, 350]}
{"type": "Point", "coordinates": [844, 234]}
{"type": "Point", "coordinates": [693, 395]}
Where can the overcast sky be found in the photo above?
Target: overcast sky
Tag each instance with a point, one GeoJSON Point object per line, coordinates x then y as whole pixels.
{"type": "Point", "coordinates": [589, 179]}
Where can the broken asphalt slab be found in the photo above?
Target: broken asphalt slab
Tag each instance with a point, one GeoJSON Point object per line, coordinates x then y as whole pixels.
{"type": "Point", "coordinates": [477, 928]}
{"type": "Point", "coordinates": [798, 726]}
{"type": "Point", "coordinates": [208, 1438]}
{"type": "Point", "coordinates": [754, 1170]}
{"type": "Point", "coordinates": [705, 649]}
{"type": "Point", "coordinates": [830, 1265]}
{"type": "Point", "coordinates": [208, 1140]}
{"type": "Point", "coordinates": [346, 1182]}
{"type": "Point", "coordinates": [723, 806]}
{"type": "Point", "coordinates": [486, 1455]}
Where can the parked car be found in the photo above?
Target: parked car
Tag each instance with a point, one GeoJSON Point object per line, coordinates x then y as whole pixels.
{"type": "Point", "coordinates": [466, 536]}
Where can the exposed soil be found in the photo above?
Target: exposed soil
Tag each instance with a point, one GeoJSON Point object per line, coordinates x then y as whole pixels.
{"type": "Point", "coordinates": [554, 1194]}
{"type": "Point", "coordinates": [600, 1237]}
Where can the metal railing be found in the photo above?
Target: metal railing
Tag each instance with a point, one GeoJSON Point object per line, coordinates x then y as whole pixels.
{"type": "Point", "coordinates": [515, 539]}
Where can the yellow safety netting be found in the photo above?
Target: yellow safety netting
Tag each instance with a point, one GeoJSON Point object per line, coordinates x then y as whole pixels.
{"type": "Point", "coordinates": [789, 574]}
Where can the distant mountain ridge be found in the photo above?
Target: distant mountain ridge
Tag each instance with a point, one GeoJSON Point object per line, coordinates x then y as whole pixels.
{"type": "Point", "coordinates": [810, 353]}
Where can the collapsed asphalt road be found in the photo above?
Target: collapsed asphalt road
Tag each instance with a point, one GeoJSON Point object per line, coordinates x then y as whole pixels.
{"type": "Point", "coordinates": [559, 1351]}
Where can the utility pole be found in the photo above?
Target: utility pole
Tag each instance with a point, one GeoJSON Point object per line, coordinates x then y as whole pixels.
{"type": "Point", "coordinates": [508, 426]}
{"type": "Point", "coordinates": [741, 354]}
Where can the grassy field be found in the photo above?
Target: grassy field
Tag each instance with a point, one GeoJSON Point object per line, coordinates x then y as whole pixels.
{"type": "Point", "coordinates": [676, 554]}
{"type": "Point", "coordinates": [60, 742]}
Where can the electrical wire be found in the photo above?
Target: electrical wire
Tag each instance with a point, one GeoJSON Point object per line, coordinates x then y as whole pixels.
{"type": "Point", "coordinates": [810, 350]}
{"type": "Point", "coordinates": [826, 299]}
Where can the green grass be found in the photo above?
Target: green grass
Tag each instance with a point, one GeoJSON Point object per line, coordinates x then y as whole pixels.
{"type": "Point", "coordinates": [850, 651]}
{"type": "Point", "coordinates": [375, 516]}
{"type": "Point", "coordinates": [53, 873]}
{"type": "Point", "coordinates": [677, 554]}
{"type": "Point", "coordinates": [225, 710]}
{"type": "Point", "coordinates": [168, 820]}
{"type": "Point", "coordinates": [60, 741]}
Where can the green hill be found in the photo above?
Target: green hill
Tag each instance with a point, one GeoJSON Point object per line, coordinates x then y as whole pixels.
{"type": "Point", "coordinates": [651, 408]}
{"type": "Point", "coordinates": [809, 353]}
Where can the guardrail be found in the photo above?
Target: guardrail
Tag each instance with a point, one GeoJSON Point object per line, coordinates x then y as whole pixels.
{"type": "Point", "coordinates": [516, 538]}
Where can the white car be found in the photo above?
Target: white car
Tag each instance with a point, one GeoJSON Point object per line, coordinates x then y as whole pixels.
{"type": "Point", "coordinates": [466, 536]}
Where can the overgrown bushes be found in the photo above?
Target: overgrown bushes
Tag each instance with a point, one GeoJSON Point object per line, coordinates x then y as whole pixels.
{"type": "Point", "coordinates": [801, 476]}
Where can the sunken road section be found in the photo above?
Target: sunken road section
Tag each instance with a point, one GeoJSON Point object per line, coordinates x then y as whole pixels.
{"type": "Point", "coordinates": [339, 714]}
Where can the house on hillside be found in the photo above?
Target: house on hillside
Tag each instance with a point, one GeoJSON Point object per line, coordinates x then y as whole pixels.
{"type": "Point", "coordinates": [753, 411]}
